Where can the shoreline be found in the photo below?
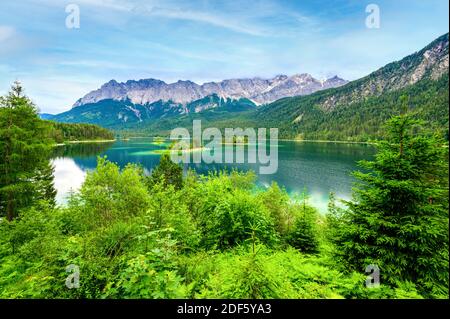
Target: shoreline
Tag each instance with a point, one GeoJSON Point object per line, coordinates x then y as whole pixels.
{"type": "Point", "coordinates": [294, 140]}
{"type": "Point", "coordinates": [191, 150]}
{"type": "Point", "coordinates": [328, 141]}
{"type": "Point", "coordinates": [84, 141]}
{"type": "Point", "coordinates": [280, 139]}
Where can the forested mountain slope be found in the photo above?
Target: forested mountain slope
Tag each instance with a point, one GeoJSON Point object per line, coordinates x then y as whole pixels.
{"type": "Point", "coordinates": [355, 111]}
{"type": "Point", "coordinates": [362, 120]}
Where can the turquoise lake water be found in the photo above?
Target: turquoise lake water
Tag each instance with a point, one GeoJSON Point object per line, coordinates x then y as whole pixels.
{"type": "Point", "coordinates": [321, 168]}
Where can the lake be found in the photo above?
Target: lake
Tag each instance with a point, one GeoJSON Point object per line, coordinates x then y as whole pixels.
{"type": "Point", "coordinates": [319, 167]}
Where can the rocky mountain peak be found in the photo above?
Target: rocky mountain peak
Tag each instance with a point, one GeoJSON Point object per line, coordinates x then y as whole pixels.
{"type": "Point", "coordinates": [261, 91]}
{"type": "Point", "coordinates": [110, 83]}
{"type": "Point", "coordinates": [280, 77]}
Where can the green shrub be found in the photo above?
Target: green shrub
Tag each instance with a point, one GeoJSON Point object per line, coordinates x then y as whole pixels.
{"type": "Point", "coordinates": [235, 217]}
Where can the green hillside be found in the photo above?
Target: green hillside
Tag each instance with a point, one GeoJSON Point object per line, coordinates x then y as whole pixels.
{"type": "Point", "coordinates": [127, 115]}
{"type": "Point", "coordinates": [362, 121]}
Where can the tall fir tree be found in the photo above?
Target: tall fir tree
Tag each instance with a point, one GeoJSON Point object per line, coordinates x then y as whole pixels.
{"type": "Point", "coordinates": [398, 218]}
{"type": "Point", "coordinates": [24, 149]}
{"type": "Point", "coordinates": [45, 187]}
{"type": "Point", "coordinates": [167, 171]}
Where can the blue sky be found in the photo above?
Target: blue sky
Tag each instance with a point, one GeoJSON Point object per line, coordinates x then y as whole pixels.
{"type": "Point", "coordinates": [201, 41]}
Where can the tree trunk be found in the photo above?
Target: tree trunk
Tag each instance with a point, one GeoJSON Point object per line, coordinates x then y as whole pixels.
{"type": "Point", "coordinates": [9, 208]}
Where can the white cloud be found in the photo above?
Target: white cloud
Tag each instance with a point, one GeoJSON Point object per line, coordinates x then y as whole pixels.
{"type": "Point", "coordinates": [203, 17]}
{"type": "Point", "coordinates": [234, 20]}
{"type": "Point", "coordinates": [6, 32]}
{"type": "Point", "coordinates": [95, 64]}
{"type": "Point", "coordinates": [55, 94]}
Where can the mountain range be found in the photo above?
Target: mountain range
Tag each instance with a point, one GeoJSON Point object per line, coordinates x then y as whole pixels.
{"type": "Point", "coordinates": [117, 103]}
{"type": "Point", "coordinates": [301, 106]}
{"type": "Point", "coordinates": [259, 91]}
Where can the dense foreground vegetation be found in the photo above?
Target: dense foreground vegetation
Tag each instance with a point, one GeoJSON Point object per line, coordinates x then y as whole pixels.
{"type": "Point", "coordinates": [175, 235]}
{"type": "Point", "coordinates": [165, 236]}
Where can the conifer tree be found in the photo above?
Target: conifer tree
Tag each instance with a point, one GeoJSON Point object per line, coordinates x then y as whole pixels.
{"type": "Point", "coordinates": [45, 183]}
{"type": "Point", "coordinates": [24, 149]}
{"type": "Point", "coordinates": [398, 218]}
{"type": "Point", "coordinates": [170, 172]}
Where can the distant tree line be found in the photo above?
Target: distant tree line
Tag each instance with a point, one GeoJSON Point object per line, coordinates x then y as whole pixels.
{"type": "Point", "coordinates": [61, 132]}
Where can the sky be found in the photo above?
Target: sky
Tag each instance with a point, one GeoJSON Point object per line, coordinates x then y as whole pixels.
{"type": "Point", "coordinates": [205, 40]}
